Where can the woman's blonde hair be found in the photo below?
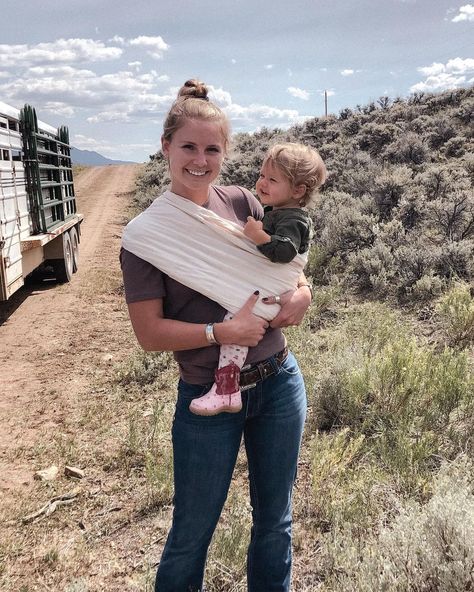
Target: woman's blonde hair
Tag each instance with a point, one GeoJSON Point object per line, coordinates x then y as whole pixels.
{"type": "Point", "coordinates": [193, 103]}
{"type": "Point", "coordinates": [301, 165]}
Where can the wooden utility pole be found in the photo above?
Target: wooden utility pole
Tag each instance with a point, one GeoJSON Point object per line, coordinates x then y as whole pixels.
{"type": "Point", "coordinates": [325, 103]}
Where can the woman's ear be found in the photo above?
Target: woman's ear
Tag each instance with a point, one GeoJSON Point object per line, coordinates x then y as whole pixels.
{"type": "Point", "coordinates": [165, 146]}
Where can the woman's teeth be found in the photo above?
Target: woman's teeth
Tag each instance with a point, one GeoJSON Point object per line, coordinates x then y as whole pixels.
{"type": "Point", "coordinates": [196, 173]}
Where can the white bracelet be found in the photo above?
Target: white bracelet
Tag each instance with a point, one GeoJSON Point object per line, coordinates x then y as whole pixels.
{"type": "Point", "coordinates": [211, 338]}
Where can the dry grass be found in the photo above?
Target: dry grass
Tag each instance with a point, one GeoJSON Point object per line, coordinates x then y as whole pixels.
{"type": "Point", "coordinates": [111, 537]}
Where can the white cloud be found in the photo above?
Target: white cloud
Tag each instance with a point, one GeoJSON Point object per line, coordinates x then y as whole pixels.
{"type": "Point", "coordinates": [119, 96]}
{"type": "Point", "coordinates": [145, 106]}
{"type": "Point", "coordinates": [220, 96]}
{"type": "Point", "coordinates": [116, 116]}
{"type": "Point", "coordinates": [50, 77]}
{"type": "Point", "coordinates": [455, 66]}
{"type": "Point", "coordinates": [299, 93]}
{"type": "Point", "coordinates": [107, 148]}
{"type": "Point", "coordinates": [233, 61]}
{"type": "Point", "coordinates": [118, 39]}
{"type": "Point", "coordinates": [61, 51]}
{"type": "Point", "coordinates": [255, 112]}
{"type": "Point", "coordinates": [76, 51]}
{"type": "Point", "coordinates": [466, 13]}
{"type": "Point", "coordinates": [247, 117]}
{"type": "Point", "coordinates": [59, 72]}
{"type": "Point", "coordinates": [252, 116]}
{"type": "Point", "coordinates": [441, 82]}
{"type": "Point", "coordinates": [268, 67]}
{"type": "Point", "coordinates": [59, 109]}
{"type": "Point", "coordinates": [444, 76]}
{"type": "Point", "coordinates": [155, 46]}
{"type": "Point", "coordinates": [347, 72]}
{"type": "Point", "coordinates": [432, 70]}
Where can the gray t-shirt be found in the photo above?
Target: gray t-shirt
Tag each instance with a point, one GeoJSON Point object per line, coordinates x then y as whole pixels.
{"type": "Point", "coordinates": [143, 281]}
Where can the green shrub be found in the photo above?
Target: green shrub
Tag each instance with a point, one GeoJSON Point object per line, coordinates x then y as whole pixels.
{"type": "Point", "coordinates": [144, 368]}
{"type": "Point", "coordinates": [456, 313]}
{"type": "Point", "coordinates": [389, 187]}
{"type": "Point", "coordinates": [428, 286]}
{"type": "Point", "coordinates": [455, 147]}
{"type": "Point", "coordinates": [151, 183]}
{"type": "Point", "coordinates": [413, 261]}
{"type": "Point", "coordinates": [454, 260]}
{"type": "Point", "coordinates": [372, 269]}
{"type": "Point", "coordinates": [425, 548]}
{"type": "Point", "coordinates": [227, 554]}
{"type": "Point", "coordinates": [341, 227]}
{"type": "Point", "coordinates": [381, 384]}
{"type": "Point", "coordinates": [347, 487]}
{"type": "Point", "coordinates": [147, 448]}
{"type": "Point", "coordinates": [407, 149]}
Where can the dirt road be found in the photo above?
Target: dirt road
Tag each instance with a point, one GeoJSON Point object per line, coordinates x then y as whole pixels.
{"type": "Point", "coordinates": [53, 337]}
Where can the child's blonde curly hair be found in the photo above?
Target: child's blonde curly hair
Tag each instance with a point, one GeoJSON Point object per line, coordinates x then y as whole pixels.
{"type": "Point", "coordinates": [301, 165]}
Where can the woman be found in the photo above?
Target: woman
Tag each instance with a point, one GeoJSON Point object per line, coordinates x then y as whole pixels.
{"type": "Point", "coordinates": [167, 315]}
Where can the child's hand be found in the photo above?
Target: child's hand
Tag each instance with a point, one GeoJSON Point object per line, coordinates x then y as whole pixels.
{"type": "Point", "coordinates": [253, 230]}
{"type": "Point", "coordinates": [252, 227]}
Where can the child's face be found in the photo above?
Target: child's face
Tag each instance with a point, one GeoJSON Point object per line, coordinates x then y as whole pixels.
{"type": "Point", "coordinates": [274, 189]}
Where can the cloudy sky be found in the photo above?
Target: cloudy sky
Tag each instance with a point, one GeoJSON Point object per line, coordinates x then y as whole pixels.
{"type": "Point", "coordinates": [110, 69]}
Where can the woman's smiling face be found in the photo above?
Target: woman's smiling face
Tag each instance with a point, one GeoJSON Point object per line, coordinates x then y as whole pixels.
{"type": "Point", "coordinates": [195, 154]}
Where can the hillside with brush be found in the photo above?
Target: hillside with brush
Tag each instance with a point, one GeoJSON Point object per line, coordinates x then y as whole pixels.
{"type": "Point", "coordinates": [396, 216]}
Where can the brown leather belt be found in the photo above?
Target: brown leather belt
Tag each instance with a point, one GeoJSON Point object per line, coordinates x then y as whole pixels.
{"type": "Point", "coordinates": [251, 375]}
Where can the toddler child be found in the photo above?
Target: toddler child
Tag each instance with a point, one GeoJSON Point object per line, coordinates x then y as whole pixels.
{"type": "Point", "coordinates": [289, 179]}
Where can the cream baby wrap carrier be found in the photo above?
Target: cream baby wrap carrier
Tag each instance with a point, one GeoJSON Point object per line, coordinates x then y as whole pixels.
{"type": "Point", "coordinates": [209, 254]}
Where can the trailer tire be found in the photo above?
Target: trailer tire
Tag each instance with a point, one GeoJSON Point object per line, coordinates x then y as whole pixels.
{"type": "Point", "coordinates": [63, 268]}
{"type": "Point", "coordinates": [75, 249]}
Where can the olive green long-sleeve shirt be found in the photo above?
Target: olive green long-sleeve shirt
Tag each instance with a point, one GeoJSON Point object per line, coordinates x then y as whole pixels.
{"type": "Point", "coordinates": [291, 230]}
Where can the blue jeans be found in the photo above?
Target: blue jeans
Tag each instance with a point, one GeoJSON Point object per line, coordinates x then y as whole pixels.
{"type": "Point", "coordinates": [205, 451]}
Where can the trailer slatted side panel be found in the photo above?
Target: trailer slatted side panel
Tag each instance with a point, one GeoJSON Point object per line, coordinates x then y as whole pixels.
{"type": "Point", "coordinates": [15, 222]}
{"type": "Point", "coordinates": [39, 222]}
{"type": "Point", "coordinates": [47, 159]}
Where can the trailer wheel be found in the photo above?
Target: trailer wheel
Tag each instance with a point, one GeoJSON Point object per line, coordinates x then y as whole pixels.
{"type": "Point", "coordinates": [75, 249]}
{"type": "Point", "coordinates": [63, 268]}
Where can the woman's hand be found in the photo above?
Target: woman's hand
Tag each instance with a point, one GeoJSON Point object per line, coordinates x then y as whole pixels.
{"type": "Point", "coordinates": [294, 304]}
{"type": "Point", "coordinates": [244, 328]}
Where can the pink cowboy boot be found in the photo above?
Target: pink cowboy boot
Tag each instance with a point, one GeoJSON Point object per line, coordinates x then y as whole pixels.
{"type": "Point", "coordinates": [224, 394]}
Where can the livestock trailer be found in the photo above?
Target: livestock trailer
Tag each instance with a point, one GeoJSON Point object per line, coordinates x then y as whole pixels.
{"type": "Point", "coordinates": [39, 223]}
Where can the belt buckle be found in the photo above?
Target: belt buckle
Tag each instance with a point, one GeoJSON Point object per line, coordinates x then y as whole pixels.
{"type": "Point", "coordinates": [261, 370]}
{"type": "Point", "coordinates": [247, 386]}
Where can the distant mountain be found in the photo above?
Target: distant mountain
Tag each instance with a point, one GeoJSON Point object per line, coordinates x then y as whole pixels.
{"type": "Point", "coordinates": [88, 157]}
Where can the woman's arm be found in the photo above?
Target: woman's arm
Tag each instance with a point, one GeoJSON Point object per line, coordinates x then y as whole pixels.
{"type": "Point", "coordinates": [294, 304]}
{"type": "Point", "coordinates": [156, 333]}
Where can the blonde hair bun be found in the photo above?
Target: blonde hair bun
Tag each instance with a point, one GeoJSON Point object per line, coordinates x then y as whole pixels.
{"type": "Point", "coordinates": [194, 89]}
{"type": "Point", "coordinates": [193, 103]}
